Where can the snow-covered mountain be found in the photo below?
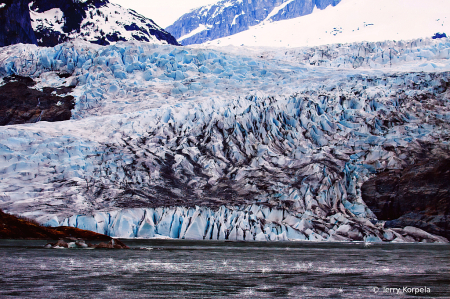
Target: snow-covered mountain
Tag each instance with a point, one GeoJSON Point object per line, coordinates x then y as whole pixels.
{"type": "Point", "coordinates": [228, 17]}
{"type": "Point", "coordinates": [185, 142]}
{"type": "Point", "coordinates": [350, 21]}
{"type": "Point", "coordinates": [96, 21]}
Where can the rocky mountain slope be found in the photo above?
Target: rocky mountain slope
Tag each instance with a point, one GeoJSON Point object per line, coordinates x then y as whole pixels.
{"type": "Point", "coordinates": [228, 17]}
{"type": "Point", "coordinates": [48, 23]}
{"type": "Point", "coordinates": [193, 143]}
{"type": "Point", "coordinates": [15, 25]}
{"type": "Point", "coordinates": [349, 21]}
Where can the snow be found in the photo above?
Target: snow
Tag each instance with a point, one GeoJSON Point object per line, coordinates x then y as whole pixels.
{"type": "Point", "coordinates": [107, 19]}
{"type": "Point", "coordinates": [365, 20]}
{"type": "Point", "coordinates": [236, 17]}
{"type": "Point", "coordinates": [200, 28]}
{"type": "Point", "coordinates": [222, 5]}
{"type": "Point", "coordinates": [51, 19]}
{"type": "Point", "coordinates": [277, 9]}
{"type": "Point", "coordinates": [203, 9]}
{"type": "Point", "coordinates": [117, 19]}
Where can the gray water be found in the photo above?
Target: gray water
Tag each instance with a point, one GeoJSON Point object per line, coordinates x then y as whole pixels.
{"type": "Point", "coordinates": [213, 269]}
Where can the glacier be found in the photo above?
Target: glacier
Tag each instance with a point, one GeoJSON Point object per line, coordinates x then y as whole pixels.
{"type": "Point", "coordinates": [217, 143]}
{"type": "Point", "coordinates": [253, 223]}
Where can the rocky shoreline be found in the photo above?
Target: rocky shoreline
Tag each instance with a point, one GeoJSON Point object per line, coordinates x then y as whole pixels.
{"type": "Point", "coordinates": [13, 227]}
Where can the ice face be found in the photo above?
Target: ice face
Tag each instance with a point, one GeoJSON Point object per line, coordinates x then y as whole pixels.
{"type": "Point", "coordinates": [294, 139]}
{"type": "Point", "coordinates": [244, 224]}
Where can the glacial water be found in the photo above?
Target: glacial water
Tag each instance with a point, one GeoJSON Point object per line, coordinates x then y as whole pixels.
{"type": "Point", "coordinates": [214, 269]}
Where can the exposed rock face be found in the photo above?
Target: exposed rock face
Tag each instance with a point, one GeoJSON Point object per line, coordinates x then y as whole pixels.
{"type": "Point", "coordinates": [12, 227]}
{"type": "Point", "coordinates": [48, 23]}
{"type": "Point", "coordinates": [62, 243]}
{"type": "Point", "coordinates": [418, 195]}
{"type": "Point", "coordinates": [15, 24]}
{"type": "Point", "coordinates": [112, 244]}
{"type": "Point", "coordinates": [97, 21]}
{"type": "Point", "coordinates": [228, 17]}
{"type": "Point", "coordinates": [19, 103]}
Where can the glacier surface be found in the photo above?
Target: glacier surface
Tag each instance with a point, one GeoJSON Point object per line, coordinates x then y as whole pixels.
{"type": "Point", "coordinates": [188, 142]}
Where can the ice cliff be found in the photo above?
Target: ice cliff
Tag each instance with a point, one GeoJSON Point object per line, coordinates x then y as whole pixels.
{"type": "Point", "coordinates": [193, 143]}
{"type": "Point", "coordinates": [254, 223]}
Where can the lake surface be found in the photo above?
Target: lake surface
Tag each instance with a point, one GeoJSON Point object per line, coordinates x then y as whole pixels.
{"type": "Point", "coordinates": [213, 269]}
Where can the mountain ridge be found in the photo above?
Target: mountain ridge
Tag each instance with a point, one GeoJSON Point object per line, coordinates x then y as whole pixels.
{"type": "Point", "coordinates": [48, 23]}
{"type": "Point", "coordinates": [348, 22]}
{"type": "Point", "coordinates": [228, 17]}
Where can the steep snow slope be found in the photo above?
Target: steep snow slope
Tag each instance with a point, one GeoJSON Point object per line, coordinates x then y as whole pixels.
{"type": "Point", "coordinates": [350, 21]}
{"type": "Point", "coordinates": [268, 145]}
{"type": "Point", "coordinates": [228, 17]}
{"type": "Point", "coordinates": [96, 21]}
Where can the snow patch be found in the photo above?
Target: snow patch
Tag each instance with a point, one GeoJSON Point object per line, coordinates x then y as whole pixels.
{"type": "Point", "coordinates": [236, 17]}
{"type": "Point", "coordinates": [199, 29]}
{"type": "Point", "coordinates": [277, 9]}
{"type": "Point", "coordinates": [52, 19]}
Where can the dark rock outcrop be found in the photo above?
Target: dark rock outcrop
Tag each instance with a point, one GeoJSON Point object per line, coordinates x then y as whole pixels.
{"type": "Point", "coordinates": [418, 195]}
{"type": "Point", "coordinates": [15, 23]}
{"type": "Point", "coordinates": [112, 244]}
{"type": "Point", "coordinates": [229, 17]}
{"type": "Point", "coordinates": [19, 103]}
{"type": "Point", "coordinates": [62, 243]}
{"type": "Point", "coordinates": [81, 19]}
{"type": "Point", "coordinates": [22, 21]}
{"type": "Point", "coordinates": [439, 35]}
{"type": "Point", "coordinates": [13, 227]}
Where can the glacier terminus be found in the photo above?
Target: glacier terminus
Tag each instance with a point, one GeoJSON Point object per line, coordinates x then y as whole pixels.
{"type": "Point", "coordinates": [184, 142]}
